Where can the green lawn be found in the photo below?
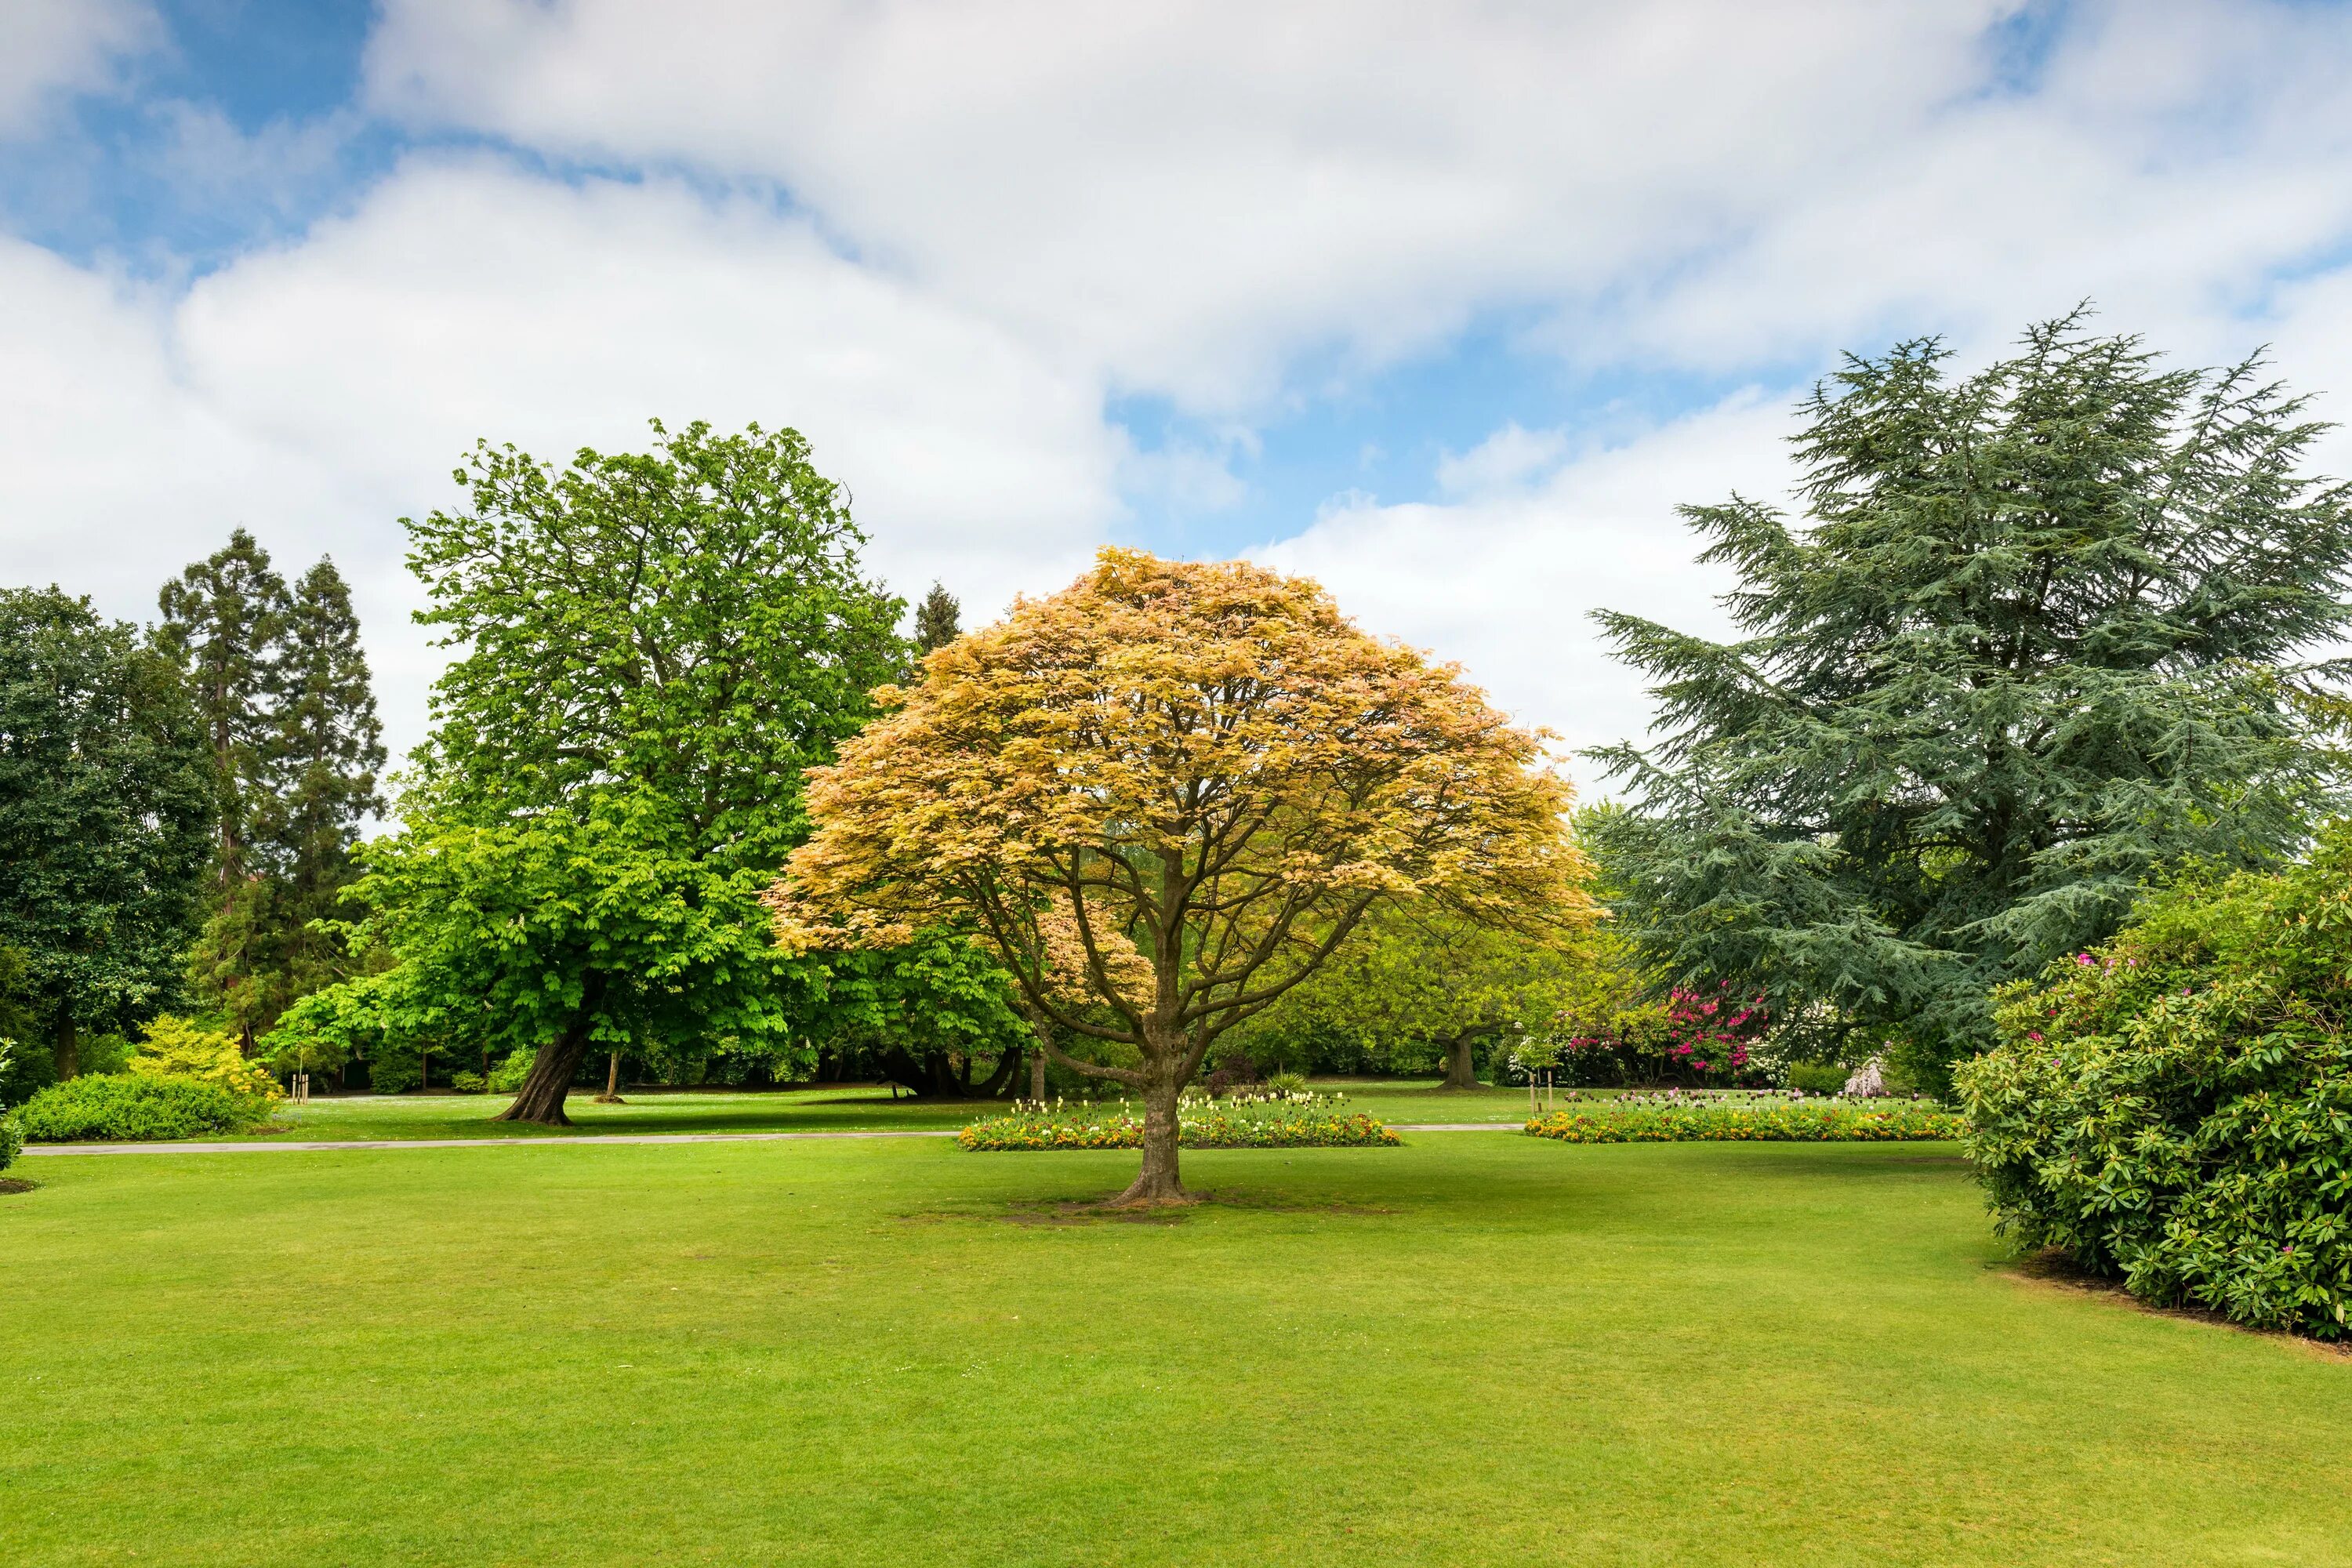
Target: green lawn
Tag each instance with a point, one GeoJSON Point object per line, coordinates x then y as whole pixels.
{"type": "Point", "coordinates": [1475, 1348]}
{"type": "Point", "coordinates": [836, 1108]}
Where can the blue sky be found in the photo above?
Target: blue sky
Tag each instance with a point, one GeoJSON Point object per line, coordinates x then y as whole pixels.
{"type": "Point", "coordinates": [1446, 308]}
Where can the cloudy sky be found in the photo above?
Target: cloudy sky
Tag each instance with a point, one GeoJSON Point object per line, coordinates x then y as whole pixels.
{"type": "Point", "coordinates": [1448, 305]}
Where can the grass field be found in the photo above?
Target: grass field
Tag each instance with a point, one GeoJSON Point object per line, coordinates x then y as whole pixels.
{"type": "Point", "coordinates": [1475, 1348]}
{"type": "Point", "coordinates": [834, 1108]}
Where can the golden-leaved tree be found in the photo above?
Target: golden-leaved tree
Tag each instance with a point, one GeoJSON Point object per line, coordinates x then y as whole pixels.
{"type": "Point", "coordinates": [1166, 795]}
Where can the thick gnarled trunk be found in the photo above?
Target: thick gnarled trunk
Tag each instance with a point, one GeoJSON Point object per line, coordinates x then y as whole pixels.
{"type": "Point", "coordinates": [1462, 1061]}
{"type": "Point", "coordinates": [1157, 1183]}
{"type": "Point", "coordinates": [551, 1071]}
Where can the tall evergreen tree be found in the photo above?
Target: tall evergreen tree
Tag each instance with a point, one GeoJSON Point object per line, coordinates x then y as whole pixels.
{"type": "Point", "coordinates": [938, 620]}
{"type": "Point", "coordinates": [2041, 635]}
{"type": "Point", "coordinates": [326, 745]}
{"type": "Point", "coordinates": [106, 818]}
{"type": "Point", "coordinates": [318, 758]}
{"type": "Point", "coordinates": [221, 618]}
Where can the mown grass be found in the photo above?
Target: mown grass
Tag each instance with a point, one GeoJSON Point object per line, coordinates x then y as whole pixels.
{"type": "Point", "coordinates": [1479, 1348]}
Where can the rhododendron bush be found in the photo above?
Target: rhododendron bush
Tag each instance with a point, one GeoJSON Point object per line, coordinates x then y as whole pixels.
{"type": "Point", "coordinates": [2174, 1108]}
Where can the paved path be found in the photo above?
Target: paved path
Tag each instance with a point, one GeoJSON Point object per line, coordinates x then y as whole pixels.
{"type": "Point", "coordinates": [328, 1145]}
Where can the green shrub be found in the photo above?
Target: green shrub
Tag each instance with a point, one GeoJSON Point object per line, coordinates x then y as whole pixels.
{"type": "Point", "coordinates": [507, 1077]}
{"type": "Point", "coordinates": [1314, 1121]}
{"type": "Point", "coordinates": [393, 1075]}
{"type": "Point", "coordinates": [135, 1107]}
{"type": "Point", "coordinates": [1817, 1077]}
{"type": "Point", "coordinates": [468, 1082]}
{"type": "Point", "coordinates": [1761, 1122]}
{"type": "Point", "coordinates": [2176, 1108]}
{"type": "Point", "coordinates": [1287, 1084]}
{"type": "Point", "coordinates": [12, 1141]}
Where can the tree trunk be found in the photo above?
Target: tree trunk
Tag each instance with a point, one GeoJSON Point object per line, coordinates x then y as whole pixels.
{"type": "Point", "coordinates": [68, 1049]}
{"type": "Point", "coordinates": [1156, 1183]}
{"type": "Point", "coordinates": [542, 1100]}
{"type": "Point", "coordinates": [1461, 1061]}
{"type": "Point", "coordinates": [1037, 1075]}
{"type": "Point", "coordinates": [612, 1095]}
{"type": "Point", "coordinates": [1000, 1079]}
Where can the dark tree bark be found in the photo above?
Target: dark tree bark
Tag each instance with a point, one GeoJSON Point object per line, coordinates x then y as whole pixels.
{"type": "Point", "coordinates": [68, 1050]}
{"type": "Point", "coordinates": [1462, 1062]}
{"type": "Point", "coordinates": [1157, 1183]}
{"type": "Point", "coordinates": [1037, 1077]}
{"type": "Point", "coordinates": [1008, 1065]}
{"type": "Point", "coordinates": [551, 1071]}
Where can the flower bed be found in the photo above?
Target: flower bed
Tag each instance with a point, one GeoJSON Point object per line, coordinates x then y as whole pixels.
{"type": "Point", "coordinates": [1785, 1123]}
{"type": "Point", "coordinates": [1312, 1121]}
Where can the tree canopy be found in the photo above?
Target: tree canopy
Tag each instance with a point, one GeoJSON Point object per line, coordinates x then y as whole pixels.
{"type": "Point", "coordinates": [1166, 795]}
{"type": "Point", "coordinates": [652, 649]}
{"type": "Point", "coordinates": [2043, 630]}
{"type": "Point", "coordinates": [1418, 982]}
{"type": "Point", "coordinates": [106, 818]}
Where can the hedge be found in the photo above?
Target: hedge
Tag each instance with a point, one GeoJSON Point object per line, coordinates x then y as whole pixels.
{"type": "Point", "coordinates": [1308, 1126]}
{"type": "Point", "coordinates": [134, 1108]}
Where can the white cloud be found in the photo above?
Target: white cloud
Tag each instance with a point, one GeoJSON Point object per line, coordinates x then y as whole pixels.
{"type": "Point", "coordinates": [1191, 196]}
{"type": "Point", "coordinates": [945, 233]}
{"type": "Point", "coordinates": [319, 391]}
{"type": "Point", "coordinates": [48, 47]}
{"type": "Point", "coordinates": [1503, 580]}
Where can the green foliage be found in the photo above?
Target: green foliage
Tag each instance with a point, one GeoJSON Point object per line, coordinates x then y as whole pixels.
{"type": "Point", "coordinates": [135, 1107]}
{"type": "Point", "coordinates": [2174, 1108]}
{"type": "Point", "coordinates": [12, 1141]}
{"type": "Point", "coordinates": [220, 617]}
{"type": "Point", "coordinates": [2037, 638]}
{"type": "Point", "coordinates": [1286, 1085]}
{"type": "Point", "coordinates": [1816, 1078]}
{"type": "Point", "coordinates": [178, 1047]}
{"type": "Point", "coordinates": [1798, 1122]}
{"type": "Point", "coordinates": [1312, 1122]}
{"type": "Point", "coordinates": [508, 1074]}
{"type": "Point", "coordinates": [509, 933]}
{"type": "Point", "coordinates": [922, 1014]}
{"type": "Point", "coordinates": [301, 778]}
{"type": "Point", "coordinates": [654, 647]}
{"type": "Point", "coordinates": [938, 620]}
{"type": "Point", "coordinates": [106, 812]}
{"type": "Point", "coordinates": [469, 1082]}
{"type": "Point", "coordinates": [1417, 984]}
{"type": "Point", "coordinates": [324, 1030]}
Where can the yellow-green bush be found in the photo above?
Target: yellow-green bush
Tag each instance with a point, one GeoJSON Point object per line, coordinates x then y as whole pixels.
{"type": "Point", "coordinates": [179, 1047]}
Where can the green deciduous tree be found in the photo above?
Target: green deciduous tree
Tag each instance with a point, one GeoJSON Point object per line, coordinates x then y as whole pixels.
{"type": "Point", "coordinates": [2039, 634]}
{"type": "Point", "coordinates": [1420, 979]}
{"type": "Point", "coordinates": [105, 817]}
{"type": "Point", "coordinates": [652, 649]}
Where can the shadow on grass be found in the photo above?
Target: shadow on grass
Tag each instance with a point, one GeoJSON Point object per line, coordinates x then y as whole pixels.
{"type": "Point", "coordinates": [13, 1184]}
{"type": "Point", "coordinates": [1107, 1210]}
{"type": "Point", "coordinates": [2052, 1269]}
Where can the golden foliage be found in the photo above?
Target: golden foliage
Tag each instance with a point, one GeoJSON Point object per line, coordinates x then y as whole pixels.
{"type": "Point", "coordinates": [1169, 791]}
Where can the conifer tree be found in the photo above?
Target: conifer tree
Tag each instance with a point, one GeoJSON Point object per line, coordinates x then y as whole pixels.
{"type": "Point", "coordinates": [297, 747]}
{"type": "Point", "coordinates": [2044, 632]}
{"type": "Point", "coordinates": [938, 620]}
{"type": "Point", "coordinates": [221, 618]}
